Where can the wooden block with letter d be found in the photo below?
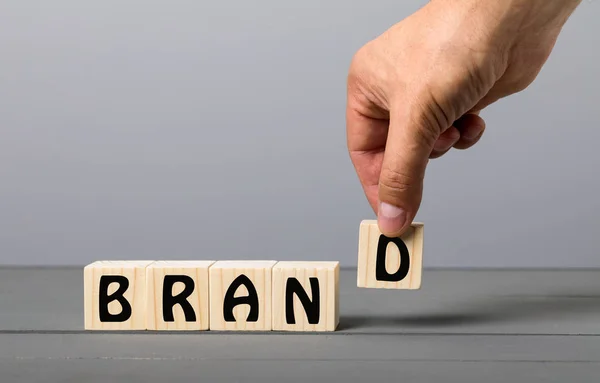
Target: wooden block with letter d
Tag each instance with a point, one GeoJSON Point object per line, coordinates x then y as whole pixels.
{"type": "Point", "coordinates": [306, 296]}
{"type": "Point", "coordinates": [240, 295]}
{"type": "Point", "coordinates": [114, 295]}
{"type": "Point", "coordinates": [389, 263]}
{"type": "Point", "coordinates": [177, 295]}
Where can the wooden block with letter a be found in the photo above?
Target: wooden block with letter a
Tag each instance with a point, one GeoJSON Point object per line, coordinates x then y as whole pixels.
{"type": "Point", "coordinates": [114, 295]}
{"type": "Point", "coordinates": [177, 295]}
{"type": "Point", "coordinates": [306, 296]}
{"type": "Point", "coordinates": [240, 295]}
{"type": "Point", "coordinates": [390, 263]}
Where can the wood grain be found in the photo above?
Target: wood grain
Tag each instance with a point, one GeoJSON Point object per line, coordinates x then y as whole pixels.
{"type": "Point", "coordinates": [327, 275]}
{"type": "Point", "coordinates": [198, 299]}
{"type": "Point", "coordinates": [369, 236]}
{"type": "Point", "coordinates": [222, 274]}
{"type": "Point", "coordinates": [135, 272]}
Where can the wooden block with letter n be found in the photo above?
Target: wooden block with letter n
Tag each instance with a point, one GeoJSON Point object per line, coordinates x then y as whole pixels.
{"type": "Point", "coordinates": [306, 296]}
{"type": "Point", "coordinates": [177, 295]}
{"type": "Point", "coordinates": [114, 295]}
{"type": "Point", "coordinates": [390, 263]}
{"type": "Point", "coordinates": [240, 295]}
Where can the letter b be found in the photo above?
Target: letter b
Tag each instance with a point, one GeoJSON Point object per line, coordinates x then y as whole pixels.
{"type": "Point", "coordinates": [105, 298]}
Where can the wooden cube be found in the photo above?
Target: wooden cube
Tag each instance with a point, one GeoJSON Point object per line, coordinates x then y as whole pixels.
{"type": "Point", "coordinates": [390, 263]}
{"type": "Point", "coordinates": [114, 295]}
{"type": "Point", "coordinates": [240, 295]}
{"type": "Point", "coordinates": [177, 295]}
{"type": "Point", "coordinates": [306, 296]}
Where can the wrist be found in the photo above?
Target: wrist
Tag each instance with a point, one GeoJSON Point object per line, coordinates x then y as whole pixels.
{"type": "Point", "coordinates": [544, 13]}
{"type": "Point", "coordinates": [505, 22]}
{"type": "Point", "coordinates": [527, 12]}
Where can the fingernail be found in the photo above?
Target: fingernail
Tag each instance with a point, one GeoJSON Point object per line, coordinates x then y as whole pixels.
{"type": "Point", "coordinates": [472, 134]}
{"type": "Point", "coordinates": [391, 218]}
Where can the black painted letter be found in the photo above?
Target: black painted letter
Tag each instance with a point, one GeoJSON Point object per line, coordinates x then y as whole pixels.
{"type": "Point", "coordinates": [231, 301]}
{"type": "Point", "coordinates": [381, 273]}
{"type": "Point", "coordinates": [169, 301]}
{"type": "Point", "coordinates": [105, 299]}
{"type": "Point", "coordinates": [311, 308]}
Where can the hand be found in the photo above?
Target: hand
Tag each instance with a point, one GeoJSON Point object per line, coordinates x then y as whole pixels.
{"type": "Point", "coordinates": [416, 91]}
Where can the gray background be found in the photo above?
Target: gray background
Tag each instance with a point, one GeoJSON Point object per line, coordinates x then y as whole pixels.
{"type": "Point", "coordinates": [215, 130]}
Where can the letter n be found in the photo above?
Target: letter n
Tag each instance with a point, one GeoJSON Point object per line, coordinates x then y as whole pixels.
{"type": "Point", "coordinates": [311, 307]}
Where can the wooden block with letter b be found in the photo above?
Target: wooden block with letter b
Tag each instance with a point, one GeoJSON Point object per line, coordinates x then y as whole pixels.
{"type": "Point", "coordinates": [114, 295]}
{"type": "Point", "coordinates": [177, 295]}
{"type": "Point", "coordinates": [306, 296]}
{"type": "Point", "coordinates": [390, 263]}
{"type": "Point", "coordinates": [240, 295]}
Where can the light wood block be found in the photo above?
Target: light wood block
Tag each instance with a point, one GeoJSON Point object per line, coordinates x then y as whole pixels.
{"type": "Point", "coordinates": [114, 295]}
{"type": "Point", "coordinates": [240, 295]}
{"type": "Point", "coordinates": [390, 263]}
{"type": "Point", "coordinates": [177, 295]}
{"type": "Point", "coordinates": [306, 296]}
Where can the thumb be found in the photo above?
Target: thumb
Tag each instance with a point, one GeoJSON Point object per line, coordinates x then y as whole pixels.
{"type": "Point", "coordinates": [409, 143]}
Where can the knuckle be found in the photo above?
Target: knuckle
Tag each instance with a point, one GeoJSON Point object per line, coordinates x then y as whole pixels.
{"type": "Point", "coordinates": [359, 60]}
{"type": "Point", "coordinates": [432, 115]}
{"type": "Point", "coordinates": [428, 131]}
{"type": "Point", "coordinates": [357, 71]}
{"type": "Point", "coordinates": [397, 181]}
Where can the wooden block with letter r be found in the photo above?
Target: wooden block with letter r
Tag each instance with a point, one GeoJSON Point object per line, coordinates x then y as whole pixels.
{"type": "Point", "coordinates": [306, 296]}
{"type": "Point", "coordinates": [390, 263]}
{"type": "Point", "coordinates": [240, 295]}
{"type": "Point", "coordinates": [114, 295]}
{"type": "Point", "coordinates": [177, 295]}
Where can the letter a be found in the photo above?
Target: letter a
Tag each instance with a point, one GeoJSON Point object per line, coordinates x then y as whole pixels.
{"type": "Point", "coordinates": [230, 301]}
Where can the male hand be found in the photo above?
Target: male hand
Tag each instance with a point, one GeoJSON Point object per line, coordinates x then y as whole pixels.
{"type": "Point", "coordinates": [415, 92]}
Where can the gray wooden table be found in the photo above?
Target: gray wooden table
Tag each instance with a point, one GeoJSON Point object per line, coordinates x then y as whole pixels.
{"type": "Point", "coordinates": [462, 326]}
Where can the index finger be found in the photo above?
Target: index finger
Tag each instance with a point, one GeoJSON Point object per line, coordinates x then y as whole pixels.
{"type": "Point", "coordinates": [366, 132]}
